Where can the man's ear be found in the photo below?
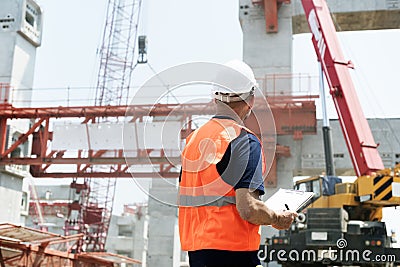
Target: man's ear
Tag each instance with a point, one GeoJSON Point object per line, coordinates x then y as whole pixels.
{"type": "Point", "coordinates": [250, 101]}
{"type": "Point", "coordinates": [253, 101]}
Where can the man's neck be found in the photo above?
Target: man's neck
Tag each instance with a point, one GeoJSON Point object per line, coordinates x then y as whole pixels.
{"type": "Point", "coordinates": [224, 110]}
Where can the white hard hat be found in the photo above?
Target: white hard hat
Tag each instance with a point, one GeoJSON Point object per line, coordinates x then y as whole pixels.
{"type": "Point", "coordinates": [234, 82]}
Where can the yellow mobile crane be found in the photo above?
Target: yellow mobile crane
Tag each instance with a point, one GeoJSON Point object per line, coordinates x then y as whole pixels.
{"type": "Point", "coordinates": [342, 226]}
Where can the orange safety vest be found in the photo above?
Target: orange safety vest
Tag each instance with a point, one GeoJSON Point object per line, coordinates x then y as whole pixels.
{"type": "Point", "coordinates": [208, 218]}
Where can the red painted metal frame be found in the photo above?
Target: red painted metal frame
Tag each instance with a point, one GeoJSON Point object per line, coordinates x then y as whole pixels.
{"type": "Point", "coordinates": [35, 253]}
{"type": "Point", "coordinates": [271, 13]}
{"type": "Point", "coordinates": [291, 114]}
{"type": "Point", "coordinates": [360, 142]}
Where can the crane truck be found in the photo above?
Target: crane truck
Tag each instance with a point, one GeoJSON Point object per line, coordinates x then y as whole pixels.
{"type": "Point", "coordinates": [343, 224]}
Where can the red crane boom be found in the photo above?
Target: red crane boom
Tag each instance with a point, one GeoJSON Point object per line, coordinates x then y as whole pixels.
{"type": "Point", "coordinates": [360, 142]}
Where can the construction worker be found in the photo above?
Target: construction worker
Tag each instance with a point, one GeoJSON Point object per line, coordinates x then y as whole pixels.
{"type": "Point", "coordinates": [220, 211]}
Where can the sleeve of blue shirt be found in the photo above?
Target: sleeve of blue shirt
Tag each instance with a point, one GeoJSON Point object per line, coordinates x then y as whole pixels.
{"type": "Point", "coordinates": [241, 165]}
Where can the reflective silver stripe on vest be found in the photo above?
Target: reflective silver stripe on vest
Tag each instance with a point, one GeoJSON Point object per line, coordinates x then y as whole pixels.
{"type": "Point", "coordinates": [215, 201]}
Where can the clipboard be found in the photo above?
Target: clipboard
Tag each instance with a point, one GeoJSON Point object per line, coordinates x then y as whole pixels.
{"type": "Point", "coordinates": [294, 200]}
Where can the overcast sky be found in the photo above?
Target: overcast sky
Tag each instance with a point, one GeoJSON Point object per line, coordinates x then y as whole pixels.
{"type": "Point", "coordinates": [189, 30]}
{"type": "Point", "coordinates": [182, 31]}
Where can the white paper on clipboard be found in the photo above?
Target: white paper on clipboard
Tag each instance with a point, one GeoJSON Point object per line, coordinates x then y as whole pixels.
{"type": "Point", "coordinates": [295, 200]}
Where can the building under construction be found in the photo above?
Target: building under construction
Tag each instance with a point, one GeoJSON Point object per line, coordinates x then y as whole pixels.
{"type": "Point", "coordinates": [96, 144]}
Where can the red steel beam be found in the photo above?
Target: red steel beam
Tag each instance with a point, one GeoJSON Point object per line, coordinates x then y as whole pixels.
{"type": "Point", "coordinates": [271, 8]}
{"type": "Point", "coordinates": [90, 161]}
{"type": "Point", "coordinates": [90, 112]}
{"type": "Point", "coordinates": [22, 139]}
{"type": "Point", "coordinates": [3, 134]}
{"type": "Point", "coordinates": [271, 15]}
{"type": "Point", "coordinates": [118, 174]}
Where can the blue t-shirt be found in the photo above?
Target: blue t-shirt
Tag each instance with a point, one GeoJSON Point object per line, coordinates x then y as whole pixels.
{"type": "Point", "coordinates": [241, 165]}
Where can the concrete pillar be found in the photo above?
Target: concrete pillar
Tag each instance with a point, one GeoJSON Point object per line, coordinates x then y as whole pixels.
{"type": "Point", "coordinates": [20, 35]}
{"type": "Point", "coordinates": [139, 236]}
{"type": "Point", "coordinates": [10, 197]}
{"type": "Point", "coordinates": [162, 220]}
{"type": "Point", "coordinates": [267, 54]}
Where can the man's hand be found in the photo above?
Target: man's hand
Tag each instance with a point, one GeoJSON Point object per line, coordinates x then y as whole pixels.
{"type": "Point", "coordinates": [284, 219]}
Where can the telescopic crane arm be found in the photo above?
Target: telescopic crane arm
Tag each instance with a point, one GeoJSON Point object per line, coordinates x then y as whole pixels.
{"type": "Point", "coordinates": [360, 142]}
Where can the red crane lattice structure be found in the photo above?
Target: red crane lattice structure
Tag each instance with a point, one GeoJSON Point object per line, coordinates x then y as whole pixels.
{"type": "Point", "coordinates": [117, 52]}
{"type": "Point", "coordinates": [96, 196]}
